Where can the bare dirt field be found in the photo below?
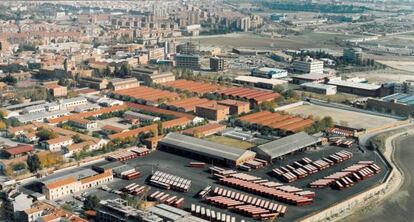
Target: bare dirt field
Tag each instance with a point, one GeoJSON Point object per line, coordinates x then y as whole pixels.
{"type": "Point", "coordinates": [352, 119]}
{"type": "Point", "coordinates": [383, 75]}
{"type": "Point", "coordinates": [249, 40]}
{"type": "Point", "coordinates": [400, 65]}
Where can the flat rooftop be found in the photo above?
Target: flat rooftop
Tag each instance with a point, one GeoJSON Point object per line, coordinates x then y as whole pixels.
{"type": "Point", "coordinates": [402, 98]}
{"type": "Point", "coordinates": [358, 85]}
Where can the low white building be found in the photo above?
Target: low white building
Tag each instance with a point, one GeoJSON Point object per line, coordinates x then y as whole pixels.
{"type": "Point", "coordinates": [319, 88]}
{"type": "Point", "coordinates": [57, 144]}
{"type": "Point", "coordinates": [41, 117]}
{"type": "Point", "coordinates": [71, 103]}
{"type": "Point", "coordinates": [270, 73]}
{"type": "Point", "coordinates": [83, 123]}
{"type": "Point", "coordinates": [75, 182]}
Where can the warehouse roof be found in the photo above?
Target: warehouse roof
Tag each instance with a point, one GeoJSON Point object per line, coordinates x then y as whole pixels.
{"type": "Point", "coordinates": [317, 85]}
{"type": "Point", "coordinates": [203, 147]}
{"type": "Point", "coordinates": [358, 85]}
{"type": "Point", "coordinates": [311, 76]}
{"type": "Point", "coordinates": [287, 145]}
{"type": "Point", "coordinates": [253, 79]}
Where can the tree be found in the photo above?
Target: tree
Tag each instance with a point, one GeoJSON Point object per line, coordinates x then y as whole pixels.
{"type": "Point", "coordinates": [106, 72]}
{"type": "Point", "coordinates": [10, 80]}
{"type": "Point", "coordinates": [116, 71]}
{"type": "Point", "coordinates": [33, 162]}
{"type": "Point", "coordinates": [290, 93]}
{"type": "Point", "coordinates": [76, 138]}
{"type": "Point", "coordinates": [65, 65]}
{"type": "Point", "coordinates": [91, 202]}
{"type": "Point", "coordinates": [44, 134]}
{"type": "Point", "coordinates": [3, 125]}
{"type": "Point", "coordinates": [123, 71]}
{"type": "Point", "coordinates": [278, 88]}
{"type": "Point", "coordinates": [19, 166]}
{"type": "Point", "coordinates": [268, 105]}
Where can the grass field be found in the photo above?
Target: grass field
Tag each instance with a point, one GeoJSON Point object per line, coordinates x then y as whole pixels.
{"type": "Point", "coordinates": [229, 141]}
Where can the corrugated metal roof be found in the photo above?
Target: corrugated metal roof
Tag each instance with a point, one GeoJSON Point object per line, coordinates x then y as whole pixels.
{"type": "Point", "coordinates": [287, 144]}
{"type": "Point", "coordinates": [203, 147]}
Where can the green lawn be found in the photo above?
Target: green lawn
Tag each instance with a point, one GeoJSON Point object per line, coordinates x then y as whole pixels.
{"type": "Point", "coordinates": [230, 141]}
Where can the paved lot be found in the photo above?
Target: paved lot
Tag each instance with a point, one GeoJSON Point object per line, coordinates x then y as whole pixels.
{"type": "Point", "coordinates": [353, 119]}
{"type": "Point", "coordinates": [200, 178]}
{"type": "Point", "coordinates": [177, 165]}
{"type": "Point", "coordinates": [113, 122]}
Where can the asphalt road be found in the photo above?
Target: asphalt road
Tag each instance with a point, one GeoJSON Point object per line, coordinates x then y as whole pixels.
{"type": "Point", "coordinates": [400, 207]}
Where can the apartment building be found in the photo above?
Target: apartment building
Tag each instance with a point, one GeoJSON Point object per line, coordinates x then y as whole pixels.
{"type": "Point", "coordinates": [75, 182]}
{"type": "Point", "coordinates": [217, 64]}
{"type": "Point", "coordinates": [187, 61]}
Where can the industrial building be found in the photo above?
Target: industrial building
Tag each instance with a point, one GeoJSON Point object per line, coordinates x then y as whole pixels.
{"type": "Point", "coordinates": [254, 96]}
{"type": "Point", "coordinates": [117, 210]}
{"type": "Point", "coordinates": [205, 150]}
{"type": "Point", "coordinates": [312, 77]}
{"type": "Point", "coordinates": [319, 88]}
{"type": "Point", "coordinates": [120, 84]}
{"type": "Point", "coordinates": [258, 82]}
{"type": "Point", "coordinates": [399, 104]}
{"type": "Point", "coordinates": [205, 130]}
{"type": "Point", "coordinates": [150, 75]}
{"type": "Point", "coordinates": [130, 115]}
{"type": "Point", "coordinates": [286, 145]}
{"type": "Point", "coordinates": [236, 107]}
{"type": "Point", "coordinates": [270, 73]}
{"type": "Point", "coordinates": [212, 111]}
{"type": "Point", "coordinates": [404, 87]}
{"type": "Point", "coordinates": [360, 89]}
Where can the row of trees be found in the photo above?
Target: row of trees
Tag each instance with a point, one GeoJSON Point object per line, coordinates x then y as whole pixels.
{"type": "Point", "coordinates": [38, 162]}
{"type": "Point", "coordinates": [119, 71]}
{"type": "Point", "coordinates": [9, 80]}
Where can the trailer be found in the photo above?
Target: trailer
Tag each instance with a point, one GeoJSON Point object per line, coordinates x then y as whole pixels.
{"type": "Point", "coordinates": [197, 164]}
{"type": "Point", "coordinates": [132, 176]}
